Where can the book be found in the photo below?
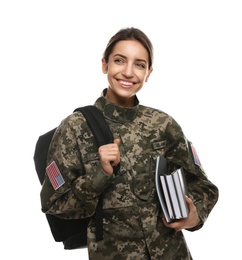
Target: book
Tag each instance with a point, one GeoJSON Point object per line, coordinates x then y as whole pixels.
{"type": "Point", "coordinates": [167, 196]}
{"type": "Point", "coordinates": [161, 169]}
{"type": "Point", "coordinates": [181, 192]}
{"type": "Point", "coordinates": [171, 191]}
{"type": "Point", "coordinates": [174, 196]}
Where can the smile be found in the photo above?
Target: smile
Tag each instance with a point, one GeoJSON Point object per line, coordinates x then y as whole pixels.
{"type": "Point", "coordinates": [126, 83]}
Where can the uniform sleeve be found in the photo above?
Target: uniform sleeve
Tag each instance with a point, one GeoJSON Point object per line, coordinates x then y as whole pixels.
{"type": "Point", "coordinates": [181, 153]}
{"type": "Point", "coordinates": [83, 179]}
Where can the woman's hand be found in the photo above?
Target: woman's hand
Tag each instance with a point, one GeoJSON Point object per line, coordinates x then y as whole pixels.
{"type": "Point", "coordinates": [109, 156]}
{"type": "Point", "coordinates": [191, 221]}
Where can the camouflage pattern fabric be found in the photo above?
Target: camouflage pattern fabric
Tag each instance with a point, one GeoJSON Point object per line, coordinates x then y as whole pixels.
{"type": "Point", "coordinates": [133, 228]}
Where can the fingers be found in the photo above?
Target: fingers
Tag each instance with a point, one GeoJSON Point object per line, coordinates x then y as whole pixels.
{"type": "Point", "coordinates": [188, 201]}
{"type": "Point", "coordinates": [117, 141]}
{"type": "Point", "coordinates": [177, 225]}
{"type": "Point", "coordinates": [191, 221]}
{"type": "Point", "coordinates": [109, 156]}
{"type": "Point", "coordinates": [117, 153]}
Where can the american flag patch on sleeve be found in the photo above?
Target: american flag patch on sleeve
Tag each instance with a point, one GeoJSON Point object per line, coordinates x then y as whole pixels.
{"type": "Point", "coordinates": [195, 156]}
{"type": "Point", "coordinates": [54, 175]}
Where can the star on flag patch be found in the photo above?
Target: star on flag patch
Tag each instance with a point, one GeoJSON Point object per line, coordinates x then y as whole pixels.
{"type": "Point", "coordinates": [54, 175]}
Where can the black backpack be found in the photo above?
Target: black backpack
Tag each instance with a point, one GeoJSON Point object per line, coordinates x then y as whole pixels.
{"type": "Point", "coordinates": [73, 232]}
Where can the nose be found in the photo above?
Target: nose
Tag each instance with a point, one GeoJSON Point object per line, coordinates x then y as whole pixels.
{"type": "Point", "coordinates": [128, 70]}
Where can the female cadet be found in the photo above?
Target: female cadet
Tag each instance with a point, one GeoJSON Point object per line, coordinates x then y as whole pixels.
{"type": "Point", "coordinates": [132, 221]}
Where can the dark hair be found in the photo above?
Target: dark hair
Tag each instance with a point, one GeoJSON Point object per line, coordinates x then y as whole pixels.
{"type": "Point", "coordinates": [129, 34]}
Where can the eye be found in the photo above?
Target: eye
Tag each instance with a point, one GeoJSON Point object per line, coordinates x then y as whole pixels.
{"type": "Point", "coordinates": [141, 65]}
{"type": "Point", "coordinates": [119, 60]}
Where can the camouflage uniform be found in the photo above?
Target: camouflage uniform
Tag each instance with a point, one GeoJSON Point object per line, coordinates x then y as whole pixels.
{"type": "Point", "coordinates": [133, 228]}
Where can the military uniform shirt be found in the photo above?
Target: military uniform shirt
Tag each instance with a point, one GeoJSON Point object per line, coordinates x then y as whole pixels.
{"type": "Point", "coordinates": [133, 228]}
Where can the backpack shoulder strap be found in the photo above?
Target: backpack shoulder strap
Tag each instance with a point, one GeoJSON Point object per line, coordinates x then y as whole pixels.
{"type": "Point", "coordinates": [103, 135]}
{"type": "Point", "coordinates": [97, 124]}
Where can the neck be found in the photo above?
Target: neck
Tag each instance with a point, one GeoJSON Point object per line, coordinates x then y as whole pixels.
{"type": "Point", "coordinates": [118, 100]}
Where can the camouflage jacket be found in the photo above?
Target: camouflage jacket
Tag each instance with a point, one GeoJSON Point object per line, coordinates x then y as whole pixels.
{"type": "Point", "coordinates": [133, 228]}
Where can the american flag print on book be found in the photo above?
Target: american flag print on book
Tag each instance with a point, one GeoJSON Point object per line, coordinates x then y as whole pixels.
{"type": "Point", "coordinates": [54, 175]}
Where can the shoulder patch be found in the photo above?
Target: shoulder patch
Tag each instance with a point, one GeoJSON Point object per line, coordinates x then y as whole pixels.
{"type": "Point", "coordinates": [195, 156]}
{"type": "Point", "coordinates": [54, 175]}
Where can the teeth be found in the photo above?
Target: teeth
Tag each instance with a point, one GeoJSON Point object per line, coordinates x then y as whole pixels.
{"type": "Point", "coordinates": [126, 83]}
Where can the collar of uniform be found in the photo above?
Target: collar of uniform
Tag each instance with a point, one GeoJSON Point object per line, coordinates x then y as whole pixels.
{"type": "Point", "coordinates": [117, 113]}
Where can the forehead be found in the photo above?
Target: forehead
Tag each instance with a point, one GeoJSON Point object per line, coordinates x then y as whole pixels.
{"type": "Point", "coordinates": [130, 49]}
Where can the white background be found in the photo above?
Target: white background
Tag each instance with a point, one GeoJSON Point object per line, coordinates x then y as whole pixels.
{"type": "Point", "coordinates": [50, 63]}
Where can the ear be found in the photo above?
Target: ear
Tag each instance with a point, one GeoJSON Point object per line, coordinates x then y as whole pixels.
{"type": "Point", "coordinates": [104, 66]}
{"type": "Point", "coordinates": [147, 77]}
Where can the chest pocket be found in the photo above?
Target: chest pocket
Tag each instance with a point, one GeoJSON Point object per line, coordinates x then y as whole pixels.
{"type": "Point", "coordinates": [144, 181]}
{"type": "Point", "coordinates": [143, 186]}
{"type": "Point", "coordinates": [144, 178]}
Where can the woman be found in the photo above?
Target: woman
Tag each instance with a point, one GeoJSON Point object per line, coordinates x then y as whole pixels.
{"type": "Point", "coordinates": [133, 226]}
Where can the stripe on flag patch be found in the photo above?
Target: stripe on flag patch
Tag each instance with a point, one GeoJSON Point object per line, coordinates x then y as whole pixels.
{"type": "Point", "coordinates": [54, 175]}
